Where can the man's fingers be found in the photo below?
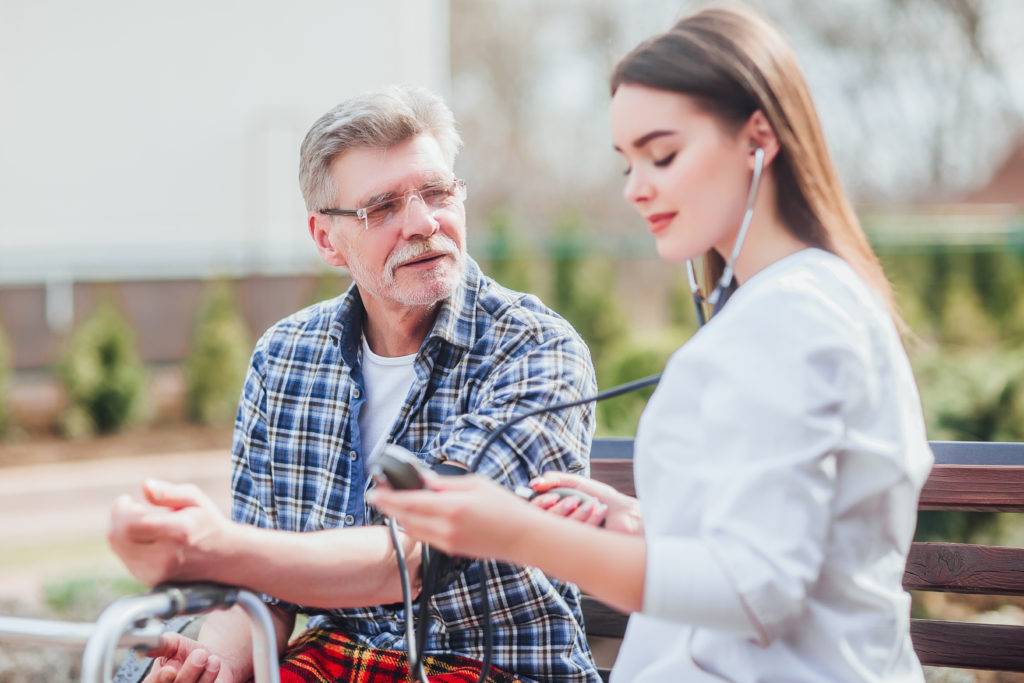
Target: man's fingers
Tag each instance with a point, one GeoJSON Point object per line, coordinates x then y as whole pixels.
{"type": "Point", "coordinates": [213, 671]}
{"type": "Point", "coordinates": [545, 500]}
{"type": "Point", "coordinates": [168, 672]}
{"type": "Point", "coordinates": [597, 515]}
{"type": "Point", "coordinates": [154, 526]}
{"type": "Point", "coordinates": [174, 496]}
{"type": "Point", "coordinates": [167, 647]}
{"type": "Point", "coordinates": [193, 667]}
{"type": "Point", "coordinates": [565, 506]}
{"type": "Point", "coordinates": [582, 511]}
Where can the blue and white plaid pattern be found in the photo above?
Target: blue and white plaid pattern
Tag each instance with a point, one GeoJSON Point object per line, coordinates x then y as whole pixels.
{"type": "Point", "coordinates": [299, 463]}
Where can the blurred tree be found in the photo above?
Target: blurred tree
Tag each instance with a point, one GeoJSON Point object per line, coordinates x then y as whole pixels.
{"type": "Point", "coordinates": [526, 71]}
{"type": "Point", "coordinates": [218, 358]}
{"type": "Point", "coordinates": [507, 263]}
{"type": "Point", "coordinates": [965, 321]}
{"type": "Point", "coordinates": [583, 289]}
{"type": "Point", "coordinates": [329, 284]}
{"type": "Point", "coordinates": [998, 279]}
{"type": "Point", "coordinates": [101, 374]}
{"type": "Point", "coordinates": [973, 395]}
{"type": "Point", "coordinates": [682, 312]}
{"type": "Point", "coordinates": [630, 360]}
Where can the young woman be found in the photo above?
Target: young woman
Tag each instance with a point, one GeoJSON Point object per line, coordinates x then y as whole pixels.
{"type": "Point", "coordinates": [779, 462]}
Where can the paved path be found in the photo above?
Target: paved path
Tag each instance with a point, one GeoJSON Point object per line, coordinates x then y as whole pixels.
{"type": "Point", "coordinates": [53, 517]}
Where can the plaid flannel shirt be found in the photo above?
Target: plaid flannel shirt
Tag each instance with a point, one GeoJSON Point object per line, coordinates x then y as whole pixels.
{"type": "Point", "coordinates": [492, 354]}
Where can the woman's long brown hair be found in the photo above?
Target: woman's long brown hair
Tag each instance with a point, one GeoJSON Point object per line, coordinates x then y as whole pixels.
{"type": "Point", "coordinates": [734, 63]}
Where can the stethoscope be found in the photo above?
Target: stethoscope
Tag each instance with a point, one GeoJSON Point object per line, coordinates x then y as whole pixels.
{"type": "Point", "coordinates": [719, 295]}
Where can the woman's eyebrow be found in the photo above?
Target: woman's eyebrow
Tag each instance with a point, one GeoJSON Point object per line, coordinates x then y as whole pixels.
{"type": "Point", "coordinates": [647, 137]}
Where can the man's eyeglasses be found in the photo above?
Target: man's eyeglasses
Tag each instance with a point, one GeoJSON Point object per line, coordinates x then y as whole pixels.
{"type": "Point", "coordinates": [386, 210]}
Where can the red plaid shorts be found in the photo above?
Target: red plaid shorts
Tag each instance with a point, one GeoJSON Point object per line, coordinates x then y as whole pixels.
{"type": "Point", "coordinates": [321, 656]}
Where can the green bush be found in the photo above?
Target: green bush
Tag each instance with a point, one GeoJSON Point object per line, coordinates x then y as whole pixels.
{"type": "Point", "coordinates": [507, 263]}
{"type": "Point", "coordinates": [5, 370]}
{"type": "Point", "coordinates": [101, 374]}
{"type": "Point", "coordinates": [85, 597]}
{"type": "Point", "coordinates": [630, 361]}
{"type": "Point", "coordinates": [974, 395]}
{"type": "Point", "coordinates": [584, 291]}
{"type": "Point", "coordinates": [328, 284]}
{"type": "Point", "coordinates": [218, 358]}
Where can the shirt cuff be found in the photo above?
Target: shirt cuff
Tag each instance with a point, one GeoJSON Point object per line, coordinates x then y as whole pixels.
{"type": "Point", "coordinates": [685, 583]}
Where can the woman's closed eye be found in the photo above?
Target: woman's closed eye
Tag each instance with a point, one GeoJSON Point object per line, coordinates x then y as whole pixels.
{"type": "Point", "coordinates": [665, 160]}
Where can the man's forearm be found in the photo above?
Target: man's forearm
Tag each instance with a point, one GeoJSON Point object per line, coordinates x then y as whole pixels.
{"type": "Point", "coordinates": [334, 568]}
{"type": "Point", "coordinates": [228, 634]}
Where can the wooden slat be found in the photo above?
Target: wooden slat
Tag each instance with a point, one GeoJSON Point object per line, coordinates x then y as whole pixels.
{"type": "Point", "coordinates": [963, 568]}
{"type": "Point", "coordinates": [949, 487]}
{"type": "Point", "coordinates": [974, 487]}
{"type": "Point", "coordinates": [968, 646]}
{"type": "Point", "coordinates": [602, 620]}
{"type": "Point", "coordinates": [618, 473]}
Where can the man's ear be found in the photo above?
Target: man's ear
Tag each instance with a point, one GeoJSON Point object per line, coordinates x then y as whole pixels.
{"type": "Point", "coordinates": [319, 230]}
{"type": "Point", "coordinates": [758, 132]}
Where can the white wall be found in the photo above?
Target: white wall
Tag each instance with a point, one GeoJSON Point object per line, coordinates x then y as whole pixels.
{"type": "Point", "coordinates": [148, 139]}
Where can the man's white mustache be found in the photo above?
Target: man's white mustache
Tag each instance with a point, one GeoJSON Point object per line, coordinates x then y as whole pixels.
{"type": "Point", "coordinates": [413, 250]}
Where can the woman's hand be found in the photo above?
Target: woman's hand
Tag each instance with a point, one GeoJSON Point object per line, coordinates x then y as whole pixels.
{"type": "Point", "coordinates": [469, 516]}
{"type": "Point", "coordinates": [618, 511]}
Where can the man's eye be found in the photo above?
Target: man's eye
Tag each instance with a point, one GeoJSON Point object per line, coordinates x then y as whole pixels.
{"type": "Point", "coordinates": [435, 194]}
{"type": "Point", "coordinates": [383, 208]}
{"type": "Point", "coordinates": [665, 161]}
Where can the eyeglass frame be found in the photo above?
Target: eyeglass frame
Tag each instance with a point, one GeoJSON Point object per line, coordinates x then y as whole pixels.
{"type": "Point", "coordinates": [363, 212]}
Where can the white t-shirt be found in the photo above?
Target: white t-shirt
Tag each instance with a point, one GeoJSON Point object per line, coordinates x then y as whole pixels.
{"type": "Point", "coordinates": [778, 467]}
{"type": "Point", "coordinates": [386, 383]}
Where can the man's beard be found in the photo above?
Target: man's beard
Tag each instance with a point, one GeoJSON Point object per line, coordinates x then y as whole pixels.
{"type": "Point", "coordinates": [428, 287]}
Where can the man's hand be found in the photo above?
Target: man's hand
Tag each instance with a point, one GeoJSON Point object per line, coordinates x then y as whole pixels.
{"type": "Point", "coordinates": [173, 535]}
{"type": "Point", "coordinates": [182, 660]}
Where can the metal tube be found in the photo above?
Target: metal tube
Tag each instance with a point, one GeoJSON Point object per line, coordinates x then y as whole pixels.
{"type": "Point", "coordinates": [22, 631]}
{"type": "Point", "coordinates": [264, 638]}
{"type": "Point", "coordinates": [69, 634]}
{"type": "Point", "coordinates": [98, 659]}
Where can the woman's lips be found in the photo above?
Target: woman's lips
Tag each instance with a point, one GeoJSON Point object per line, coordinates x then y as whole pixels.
{"type": "Point", "coordinates": [657, 222]}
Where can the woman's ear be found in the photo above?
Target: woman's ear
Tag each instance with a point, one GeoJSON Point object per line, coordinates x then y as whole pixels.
{"type": "Point", "coordinates": [758, 132]}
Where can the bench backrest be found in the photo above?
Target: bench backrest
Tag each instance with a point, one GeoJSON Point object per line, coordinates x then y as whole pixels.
{"type": "Point", "coordinates": [967, 476]}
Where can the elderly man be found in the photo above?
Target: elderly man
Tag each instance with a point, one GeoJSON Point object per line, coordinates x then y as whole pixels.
{"type": "Point", "coordinates": [423, 351]}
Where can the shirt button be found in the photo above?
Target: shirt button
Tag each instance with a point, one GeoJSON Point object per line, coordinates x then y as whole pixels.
{"type": "Point", "coordinates": [356, 393]}
{"type": "Point", "coordinates": [350, 520]}
{"type": "Point", "coordinates": [353, 456]}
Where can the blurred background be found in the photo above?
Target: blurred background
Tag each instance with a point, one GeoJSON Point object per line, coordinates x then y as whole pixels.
{"type": "Point", "coordinates": [151, 226]}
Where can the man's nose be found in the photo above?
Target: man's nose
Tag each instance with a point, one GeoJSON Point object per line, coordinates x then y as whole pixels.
{"type": "Point", "coordinates": [419, 219]}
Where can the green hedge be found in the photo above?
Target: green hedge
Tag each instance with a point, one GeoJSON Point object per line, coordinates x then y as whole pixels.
{"type": "Point", "coordinates": [218, 358]}
{"type": "Point", "coordinates": [102, 375]}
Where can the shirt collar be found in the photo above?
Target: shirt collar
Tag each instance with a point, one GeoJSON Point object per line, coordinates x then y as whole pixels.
{"type": "Point", "coordinates": [457, 318]}
{"type": "Point", "coordinates": [454, 323]}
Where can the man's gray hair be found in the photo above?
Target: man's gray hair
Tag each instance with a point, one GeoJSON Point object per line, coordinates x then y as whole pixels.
{"type": "Point", "coordinates": [377, 119]}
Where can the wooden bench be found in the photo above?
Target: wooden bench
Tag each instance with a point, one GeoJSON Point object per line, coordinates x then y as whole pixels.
{"type": "Point", "coordinates": [967, 476]}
